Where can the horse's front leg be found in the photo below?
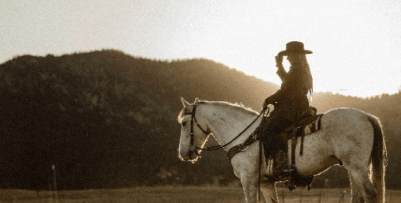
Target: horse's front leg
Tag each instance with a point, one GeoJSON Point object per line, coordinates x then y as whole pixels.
{"type": "Point", "coordinates": [269, 192]}
{"type": "Point", "coordinates": [250, 187]}
{"type": "Point", "coordinates": [246, 167]}
{"type": "Point", "coordinates": [251, 190]}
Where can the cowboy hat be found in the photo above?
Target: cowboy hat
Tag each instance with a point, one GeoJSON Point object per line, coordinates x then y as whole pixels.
{"type": "Point", "coordinates": [295, 47]}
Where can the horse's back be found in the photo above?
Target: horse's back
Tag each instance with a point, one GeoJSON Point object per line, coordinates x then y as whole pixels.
{"type": "Point", "coordinates": [349, 133]}
{"type": "Point", "coordinates": [345, 136]}
{"type": "Point", "coordinates": [346, 123]}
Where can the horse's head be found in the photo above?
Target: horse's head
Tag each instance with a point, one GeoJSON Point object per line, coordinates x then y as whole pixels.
{"type": "Point", "coordinates": [194, 131]}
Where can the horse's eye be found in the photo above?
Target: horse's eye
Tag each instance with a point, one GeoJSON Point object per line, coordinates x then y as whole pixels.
{"type": "Point", "coordinates": [184, 123]}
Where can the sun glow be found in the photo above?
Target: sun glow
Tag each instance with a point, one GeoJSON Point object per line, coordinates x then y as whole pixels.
{"type": "Point", "coordinates": [355, 43]}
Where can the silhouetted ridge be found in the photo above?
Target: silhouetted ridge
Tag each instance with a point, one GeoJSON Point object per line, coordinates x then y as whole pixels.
{"type": "Point", "coordinates": [107, 119]}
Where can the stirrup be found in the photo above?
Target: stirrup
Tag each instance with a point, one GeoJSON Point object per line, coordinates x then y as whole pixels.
{"type": "Point", "coordinates": [286, 172]}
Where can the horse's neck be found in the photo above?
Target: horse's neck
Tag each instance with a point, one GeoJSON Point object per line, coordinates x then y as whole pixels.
{"type": "Point", "coordinates": [226, 122]}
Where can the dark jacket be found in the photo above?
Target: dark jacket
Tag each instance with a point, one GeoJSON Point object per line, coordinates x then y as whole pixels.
{"type": "Point", "coordinates": [291, 99]}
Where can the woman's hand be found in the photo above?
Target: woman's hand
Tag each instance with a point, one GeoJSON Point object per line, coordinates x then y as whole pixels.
{"type": "Point", "coordinates": [266, 103]}
{"type": "Point", "coordinates": [279, 60]}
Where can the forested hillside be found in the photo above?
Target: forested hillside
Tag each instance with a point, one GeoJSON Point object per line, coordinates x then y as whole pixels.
{"type": "Point", "coordinates": [107, 119]}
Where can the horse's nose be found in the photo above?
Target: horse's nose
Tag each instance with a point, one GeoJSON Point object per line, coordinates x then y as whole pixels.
{"type": "Point", "coordinates": [183, 155]}
{"type": "Point", "coordinates": [188, 155]}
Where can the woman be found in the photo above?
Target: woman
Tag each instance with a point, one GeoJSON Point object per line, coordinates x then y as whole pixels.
{"type": "Point", "coordinates": [290, 101]}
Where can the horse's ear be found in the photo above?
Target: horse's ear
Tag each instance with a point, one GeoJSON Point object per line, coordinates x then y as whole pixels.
{"type": "Point", "coordinates": [185, 103]}
{"type": "Point", "coordinates": [196, 100]}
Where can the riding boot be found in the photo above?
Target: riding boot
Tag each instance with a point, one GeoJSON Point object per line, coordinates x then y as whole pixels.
{"type": "Point", "coordinates": [277, 163]}
{"type": "Point", "coordinates": [274, 144]}
{"type": "Point", "coordinates": [270, 136]}
{"type": "Point", "coordinates": [281, 164]}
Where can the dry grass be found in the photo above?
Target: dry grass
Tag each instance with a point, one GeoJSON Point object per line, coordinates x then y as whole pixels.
{"type": "Point", "coordinates": [179, 194]}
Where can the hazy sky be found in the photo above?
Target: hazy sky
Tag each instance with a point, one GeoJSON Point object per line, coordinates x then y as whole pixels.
{"type": "Point", "coordinates": [356, 44]}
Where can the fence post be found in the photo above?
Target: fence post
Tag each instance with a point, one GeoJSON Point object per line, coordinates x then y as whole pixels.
{"type": "Point", "coordinates": [55, 183]}
{"type": "Point", "coordinates": [320, 197]}
{"type": "Point", "coordinates": [300, 198]}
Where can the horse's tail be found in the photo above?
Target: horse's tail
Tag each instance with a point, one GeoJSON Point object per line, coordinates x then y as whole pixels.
{"type": "Point", "coordinates": [378, 159]}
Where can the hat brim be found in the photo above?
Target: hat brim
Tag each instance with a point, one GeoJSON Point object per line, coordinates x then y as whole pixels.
{"type": "Point", "coordinates": [286, 52]}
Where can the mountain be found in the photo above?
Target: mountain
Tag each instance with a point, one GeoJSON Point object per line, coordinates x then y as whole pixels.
{"type": "Point", "coordinates": [106, 119]}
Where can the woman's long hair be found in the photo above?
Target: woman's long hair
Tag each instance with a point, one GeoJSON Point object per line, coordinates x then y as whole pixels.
{"type": "Point", "coordinates": [308, 79]}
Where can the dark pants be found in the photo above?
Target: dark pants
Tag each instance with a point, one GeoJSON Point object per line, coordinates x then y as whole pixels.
{"type": "Point", "coordinates": [271, 139]}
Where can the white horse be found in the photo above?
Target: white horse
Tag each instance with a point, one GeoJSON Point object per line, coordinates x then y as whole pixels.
{"type": "Point", "coordinates": [347, 136]}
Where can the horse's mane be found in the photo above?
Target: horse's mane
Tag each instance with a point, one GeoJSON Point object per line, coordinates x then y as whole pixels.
{"type": "Point", "coordinates": [237, 106]}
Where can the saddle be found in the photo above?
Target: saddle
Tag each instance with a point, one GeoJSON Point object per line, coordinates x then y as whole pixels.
{"type": "Point", "coordinates": [308, 123]}
{"type": "Point", "coordinates": [278, 167]}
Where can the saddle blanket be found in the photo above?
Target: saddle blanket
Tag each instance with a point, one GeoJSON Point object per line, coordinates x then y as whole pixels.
{"type": "Point", "coordinates": [313, 126]}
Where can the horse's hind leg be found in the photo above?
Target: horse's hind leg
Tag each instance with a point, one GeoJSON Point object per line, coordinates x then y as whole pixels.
{"type": "Point", "coordinates": [361, 186]}
{"type": "Point", "coordinates": [356, 195]}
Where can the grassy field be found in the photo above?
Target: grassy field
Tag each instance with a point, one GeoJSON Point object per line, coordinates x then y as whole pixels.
{"type": "Point", "coordinates": [179, 194]}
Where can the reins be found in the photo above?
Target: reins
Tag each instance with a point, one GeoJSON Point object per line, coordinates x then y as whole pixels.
{"type": "Point", "coordinates": [220, 146]}
{"type": "Point", "coordinates": [193, 118]}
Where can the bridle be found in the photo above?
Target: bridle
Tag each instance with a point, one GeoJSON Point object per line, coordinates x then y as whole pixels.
{"type": "Point", "coordinates": [192, 140]}
{"type": "Point", "coordinates": [193, 120]}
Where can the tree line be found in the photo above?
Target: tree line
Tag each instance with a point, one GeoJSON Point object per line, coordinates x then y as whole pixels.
{"type": "Point", "coordinates": [106, 119]}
